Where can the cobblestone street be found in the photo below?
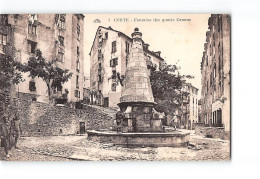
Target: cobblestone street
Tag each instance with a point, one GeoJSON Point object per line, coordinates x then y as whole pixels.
{"type": "Point", "coordinates": [68, 148]}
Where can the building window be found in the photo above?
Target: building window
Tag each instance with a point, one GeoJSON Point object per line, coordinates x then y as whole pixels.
{"type": "Point", "coordinates": [59, 88]}
{"type": "Point", "coordinates": [99, 78]}
{"type": "Point", "coordinates": [78, 31]}
{"type": "Point", "coordinates": [32, 29]}
{"type": "Point", "coordinates": [78, 66]}
{"type": "Point", "coordinates": [99, 66]}
{"type": "Point", "coordinates": [106, 35]}
{"type": "Point", "coordinates": [78, 50]}
{"type": "Point", "coordinates": [61, 21]}
{"type": "Point", "coordinates": [99, 54]}
{"type": "Point", "coordinates": [113, 62]}
{"type": "Point", "coordinates": [219, 24]}
{"type": "Point", "coordinates": [114, 74]}
{"type": "Point", "coordinates": [214, 72]}
{"type": "Point", "coordinates": [77, 81]}
{"type": "Point", "coordinates": [61, 56]}
{"type": "Point", "coordinates": [77, 93]}
{"type": "Point", "coordinates": [126, 61]}
{"type": "Point", "coordinates": [32, 18]}
{"type": "Point", "coordinates": [32, 86]}
{"type": "Point", "coordinates": [113, 87]}
{"type": "Point", "coordinates": [114, 47]}
{"type": "Point", "coordinates": [31, 46]}
{"type": "Point", "coordinates": [126, 47]}
{"type": "Point", "coordinates": [100, 44]}
{"type": "Point", "coordinates": [3, 39]}
{"type": "Point", "coordinates": [61, 40]}
{"type": "Point", "coordinates": [99, 33]}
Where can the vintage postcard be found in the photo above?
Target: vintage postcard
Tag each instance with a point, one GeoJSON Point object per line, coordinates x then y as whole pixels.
{"type": "Point", "coordinates": [115, 87]}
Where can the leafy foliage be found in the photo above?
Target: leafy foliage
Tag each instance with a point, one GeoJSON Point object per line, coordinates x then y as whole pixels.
{"type": "Point", "coordinates": [8, 73]}
{"type": "Point", "coordinates": [48, 71]}
{"type": "Point", "coordinates": [167, 84]}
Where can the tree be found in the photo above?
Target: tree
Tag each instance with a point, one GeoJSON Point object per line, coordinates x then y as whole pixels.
{"type": "Point", "coordinates": [9, 76]}
{"type": "Point", "coordinates": [167, 84]}
{"type": "Point", "coordinates": [8, 73]}
{"type": "Point", "coordinates": [48, 71]}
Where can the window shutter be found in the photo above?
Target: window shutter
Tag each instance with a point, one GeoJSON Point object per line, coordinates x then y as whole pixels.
{"type": "Point", "coordinates": [29, 47]}
{"type": "Point", "coordinates": [4, 39]}
{"type": "Point", "coordinates": [110, 63]}
{"type": "Point", "coordinates": [116, 61]}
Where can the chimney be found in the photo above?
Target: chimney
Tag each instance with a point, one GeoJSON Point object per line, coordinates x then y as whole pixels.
{"type": "Point", "coordinates": [146, 46]}
{"type": "Point", "coordinates": [158, 53]}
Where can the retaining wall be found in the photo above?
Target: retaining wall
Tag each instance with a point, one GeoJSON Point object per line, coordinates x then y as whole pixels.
{"type": "Point", "coordinates": [39, 119]}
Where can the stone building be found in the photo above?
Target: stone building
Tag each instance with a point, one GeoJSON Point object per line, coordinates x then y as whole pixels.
{"type": "Point", "coordinates": [109, 57]}
{"type": "Point", "coordinates": [215, 70]}
{"type": "Point", "coordinates": [189, 106]}
{"type": "Point", "coordinates": [58, 36]}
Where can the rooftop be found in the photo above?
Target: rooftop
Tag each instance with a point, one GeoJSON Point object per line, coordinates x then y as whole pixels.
{"type": "Point", "coordinates": [126, 36]}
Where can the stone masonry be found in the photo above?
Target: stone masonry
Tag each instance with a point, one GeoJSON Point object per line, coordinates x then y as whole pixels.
{"type": "Point", "coordinates": [40, 119]}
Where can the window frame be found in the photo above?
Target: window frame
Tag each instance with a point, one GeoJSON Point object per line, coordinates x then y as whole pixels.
{"type": "Point", "coordinates": [60, 56]}
{"type": "Point", "coordinates": [77, 81]}
{"type": "Point", "coordinates": [127, 47]}
{"type": "Point", "coordinates": [114, 47]}
{"type": "Point", "coordinates": [30, 44]}
{"type": "Point", "coordinates": [78, 65]}
{"type": "Point", "coordinates": [32, 88]}
{"type": "Point", "coordinates": [61, 40]}
{"type": "Point", "coordinates": [113, 87]}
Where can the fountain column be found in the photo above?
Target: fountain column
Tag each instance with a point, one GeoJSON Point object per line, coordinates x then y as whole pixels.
{"type": "Point", "coordinates": [136, 103]}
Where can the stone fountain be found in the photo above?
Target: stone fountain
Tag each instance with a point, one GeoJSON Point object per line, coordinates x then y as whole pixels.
{"type": "Point", "coordinates": [138, 123]}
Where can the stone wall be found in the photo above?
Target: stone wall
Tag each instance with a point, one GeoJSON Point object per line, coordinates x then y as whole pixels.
{"type": "Point", "coordinates": [38, 119]}
{"type": "Point", "coordinates": [212, 132]}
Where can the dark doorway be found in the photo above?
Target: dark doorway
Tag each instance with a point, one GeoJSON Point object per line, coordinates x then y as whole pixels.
{"type": "Point", "coordinates": [134, 125]}
{"type": "Point", "coordinates": [106, 102]}
{"type": "Point", "coordinates": [219, 118]}
{"type": "Point", "coordinates": [82, 129]}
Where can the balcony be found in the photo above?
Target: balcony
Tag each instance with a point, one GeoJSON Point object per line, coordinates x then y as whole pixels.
{"type": "Point", "coordinates": [32, 37]}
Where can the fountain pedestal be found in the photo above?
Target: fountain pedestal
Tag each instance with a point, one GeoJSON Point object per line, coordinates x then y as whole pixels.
{"type": "Point", "coordinates": [139, 117]}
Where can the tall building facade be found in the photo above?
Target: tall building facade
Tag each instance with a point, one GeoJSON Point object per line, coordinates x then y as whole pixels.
{"type": "Point", "coordinates": [215, 70]}
{"type": "Point", "coordinates": [58, 36]}
{"type": "Point", "coordinates": [109, 57]}
{"type": "Point", "coordinates": [189, 106]}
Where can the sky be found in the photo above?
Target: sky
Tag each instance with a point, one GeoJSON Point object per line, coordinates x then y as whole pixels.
{"type": "Point", "coordinates": [180, 42]}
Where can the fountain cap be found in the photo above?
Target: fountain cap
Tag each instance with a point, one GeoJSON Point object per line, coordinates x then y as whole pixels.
{"type": "Point", "coordinates": [136, 33]}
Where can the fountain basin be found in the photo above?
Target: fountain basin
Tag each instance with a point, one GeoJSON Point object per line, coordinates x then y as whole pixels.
{"type": "Point", "coordinates": [160, 139]}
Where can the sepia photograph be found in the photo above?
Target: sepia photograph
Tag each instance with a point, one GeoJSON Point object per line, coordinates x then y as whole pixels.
{"type": "Point", "coordinates": [115, 87]}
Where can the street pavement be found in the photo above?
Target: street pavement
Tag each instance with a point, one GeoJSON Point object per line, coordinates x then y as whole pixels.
{"type": "Point", "coordinates": [79, 148]}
